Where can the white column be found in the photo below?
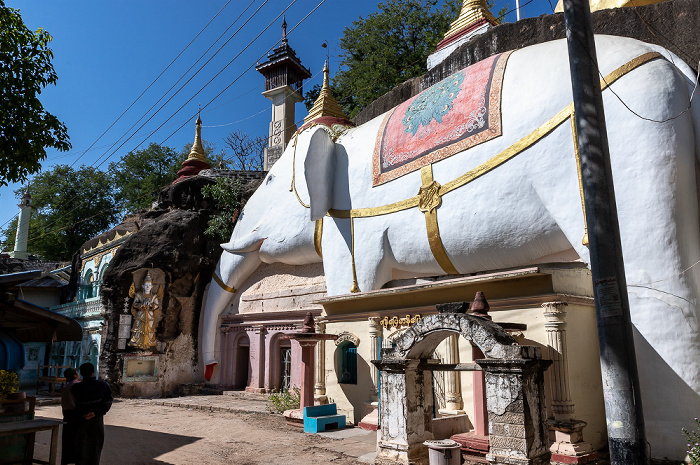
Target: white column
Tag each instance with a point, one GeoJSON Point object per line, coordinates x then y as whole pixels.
{"type": "Point", "coordinates": [454, 405]}
{"type": "Point", "coordinates": [25, 206]}
{"type": "Point", "coordinates": [375, 334]}
{"type": "Point", "coordinates": [320, 386]}
{"type": "Point", "coordinates": [555, 325]}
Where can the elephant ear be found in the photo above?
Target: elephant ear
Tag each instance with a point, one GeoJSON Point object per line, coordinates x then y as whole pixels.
{"type": "Point", "coordinates": [319, 170]}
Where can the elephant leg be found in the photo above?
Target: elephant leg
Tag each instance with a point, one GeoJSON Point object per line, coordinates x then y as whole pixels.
{"type": "Point", "coordinates": [337, 256]}
{"type": "Point", "coordinates": [367, 268]}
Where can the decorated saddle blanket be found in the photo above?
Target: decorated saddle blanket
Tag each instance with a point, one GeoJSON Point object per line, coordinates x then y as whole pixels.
{"type": "Point", "coordinates": [453, 115]}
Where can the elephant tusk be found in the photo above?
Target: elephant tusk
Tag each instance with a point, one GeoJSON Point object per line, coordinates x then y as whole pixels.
{"type": "Point", "coordinates": [246, 244]}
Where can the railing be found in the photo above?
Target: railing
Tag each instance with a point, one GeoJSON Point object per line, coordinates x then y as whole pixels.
{"type": "Point", "coordinates": [81, 308]}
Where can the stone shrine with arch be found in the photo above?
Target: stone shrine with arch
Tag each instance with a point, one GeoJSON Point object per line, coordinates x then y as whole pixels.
{"type": "Point", "coordinates": [514, 378]}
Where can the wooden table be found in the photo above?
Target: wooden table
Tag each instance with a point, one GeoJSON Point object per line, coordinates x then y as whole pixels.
{"type": "Point", "coordinates": [33, 426]}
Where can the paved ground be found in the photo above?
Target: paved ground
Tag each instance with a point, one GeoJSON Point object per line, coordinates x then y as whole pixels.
{"type": "Point", "coordinates": [229, 429]}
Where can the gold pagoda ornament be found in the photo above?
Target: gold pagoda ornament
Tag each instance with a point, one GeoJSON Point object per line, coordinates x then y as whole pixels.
{"type": "Point", "coordinates": [196, 161]}
{"type": "Point", "coordinates": [325, 104]}
{"type": "Point", "coordinates": [197, 150]}
{"type": "Point", "coordinates": [474, 13]}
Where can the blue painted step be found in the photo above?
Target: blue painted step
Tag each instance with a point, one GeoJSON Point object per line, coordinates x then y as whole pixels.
{"type": "Point", "coordinates": [320, 417]}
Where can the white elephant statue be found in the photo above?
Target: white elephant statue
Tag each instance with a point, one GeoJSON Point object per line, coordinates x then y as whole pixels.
{"type": "Point", "coordinates": [504, 201]}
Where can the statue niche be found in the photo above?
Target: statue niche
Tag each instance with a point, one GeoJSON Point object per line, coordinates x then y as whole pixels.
{"type": "Point", "coordinates": [145, 309]}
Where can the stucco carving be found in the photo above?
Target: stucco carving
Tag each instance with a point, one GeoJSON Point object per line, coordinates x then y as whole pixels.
{"type": "Point", "coordinates": [346, 336]}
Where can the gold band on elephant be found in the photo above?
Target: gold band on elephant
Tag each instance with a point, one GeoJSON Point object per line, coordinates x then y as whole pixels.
{"type": "Point", "coordinates": [429, 200]}
{"type": "Point", "coordinates": [223, 284]}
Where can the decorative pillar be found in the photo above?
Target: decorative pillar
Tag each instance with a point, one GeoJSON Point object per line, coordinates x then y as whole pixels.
{"type": "Point", "coordinates": [307, 339]}
{"type": "Point", "coordinates": [454, 405]}
{"type": "Point", "coordinates": [555, 325]}
{"type": "Point", "coordinates": [406, 410]}
{"type": "Point", "coordinates": [516, 409]}
{"type": "Point", "coordinates": [565, 433]}
{"type": "Point", "coordinates": [320, 386]}
{"type": "Point", "coordinates": [257, 359]}
{"type": "Point", "coordinates": [375, 334]}
{"type": "Point", "coordinates": [307, 374]}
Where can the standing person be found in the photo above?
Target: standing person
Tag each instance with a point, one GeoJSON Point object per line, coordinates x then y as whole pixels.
{"type": "Point", "coordinates": [93, 398]}
{"type": "Point", "coordinates": [69, 420]}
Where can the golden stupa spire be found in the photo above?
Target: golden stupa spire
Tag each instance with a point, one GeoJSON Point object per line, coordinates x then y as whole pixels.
{"type": "Point", "coordinates": [197, 151]}
{"type": "Point", "coordinates": [473, 12]}
{"type": "Point", "coordinates": [325, 104]}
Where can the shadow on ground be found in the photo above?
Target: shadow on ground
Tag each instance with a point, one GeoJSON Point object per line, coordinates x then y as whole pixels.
{"type": "Point", "coordinates": [126, 445]}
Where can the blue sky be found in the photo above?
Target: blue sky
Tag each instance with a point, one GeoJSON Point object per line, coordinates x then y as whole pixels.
{"type": "Point", "coordinates": [106, 53]}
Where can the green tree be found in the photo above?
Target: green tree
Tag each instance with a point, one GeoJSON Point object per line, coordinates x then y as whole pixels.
{"type": "Point", "coordinates": [25, 69]}
{"type": "Point", "coordinates": [387, 48]}
{"type": "Point", "coordinates": [227, 196]}
{"type": "Point", "coordinates": [69, 207]}
{"type": "Point", "coordinates": [140, 175]}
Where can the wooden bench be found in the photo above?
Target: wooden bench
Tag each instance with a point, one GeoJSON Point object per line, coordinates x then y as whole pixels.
{"type": "Point", "coordinates": [51, 377]}
{"type": "Point", "coordinates": [320, 417]}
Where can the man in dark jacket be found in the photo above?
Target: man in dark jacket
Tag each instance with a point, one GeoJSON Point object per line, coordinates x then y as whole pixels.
{"type": "Point", "coordinates": [93, 399]}
{"type": "Point", "coordinates": [70, 422]}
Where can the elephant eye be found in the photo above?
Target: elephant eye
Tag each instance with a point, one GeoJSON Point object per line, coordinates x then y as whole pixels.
{"type": "Point", "coordinates": [269, 179]}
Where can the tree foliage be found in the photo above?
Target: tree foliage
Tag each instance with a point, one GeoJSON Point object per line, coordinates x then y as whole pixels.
{"type": "Point", "coordinates": [25, 69]}
{"type": "Point", "coordinates": [69, 207]}
{"type": "Point", "coordinates": [246, 153]}
{"type": "Point", "coordinates": [227, 196]}
{"type": "Point", "coordinates": [389, 47]}
{"type": "Point", "coordinates": [140, 175]}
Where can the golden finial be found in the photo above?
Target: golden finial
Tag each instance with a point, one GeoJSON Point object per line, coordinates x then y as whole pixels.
{"type": "Point", "coordinates": [197, 151]}
{"type": "Point", "coordinates": [473, 12]}
{"type": "Point", "coordinates": [325, 104]}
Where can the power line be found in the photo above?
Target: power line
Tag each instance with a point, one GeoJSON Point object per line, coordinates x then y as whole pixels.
{"type": "Point", "coordinates": [153, 82]}
{"type": "Point", "coordinates": [183, 85]}
{"type": "Point", "coordinates": [147, 88]}
{"type": "Point", "coordinates": [168, 119]}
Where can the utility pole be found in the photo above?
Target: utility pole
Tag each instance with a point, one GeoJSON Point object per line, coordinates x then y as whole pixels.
{"type": "Point", "coordinates": [618, 363]}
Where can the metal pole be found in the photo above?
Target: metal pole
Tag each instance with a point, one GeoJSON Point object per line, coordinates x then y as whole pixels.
{"type": "Point", "coordinates": [623, 407]}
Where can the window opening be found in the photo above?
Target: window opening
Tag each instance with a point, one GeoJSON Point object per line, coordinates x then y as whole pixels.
{"type": "Point", "coordinates": [347, 363]}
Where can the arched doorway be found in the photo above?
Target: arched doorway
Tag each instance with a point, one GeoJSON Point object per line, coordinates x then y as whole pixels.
{"type": "Point", "coordinates": [514, 389]}
{"type": "Point", "coordinates": [241, 362]}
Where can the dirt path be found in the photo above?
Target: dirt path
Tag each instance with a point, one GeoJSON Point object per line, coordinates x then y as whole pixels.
{"type": "Point", "coordinates": [139, 432]}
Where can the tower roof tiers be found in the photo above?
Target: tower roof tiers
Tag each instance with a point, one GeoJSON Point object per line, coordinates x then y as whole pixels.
{"type": "Point", "coordinates": [283, 68]}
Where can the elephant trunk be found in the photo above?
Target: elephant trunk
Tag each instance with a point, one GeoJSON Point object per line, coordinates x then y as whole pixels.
{"type": "Point", "coordinates": [231, 271]}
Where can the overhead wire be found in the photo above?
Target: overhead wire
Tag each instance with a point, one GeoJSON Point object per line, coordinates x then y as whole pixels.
{"type": "Point", "coordinates": [145, 90]}
{"type": "Point", "coordinates": [154, 81]}
{"type": "Point", "coordinates": [187, 82]}
{"type": "Point", "coordinates": [247, 69]}
{"type": "Point", "coordinates": [122, 144]}
{"type": "Point", "coordinates": [247, 46]}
